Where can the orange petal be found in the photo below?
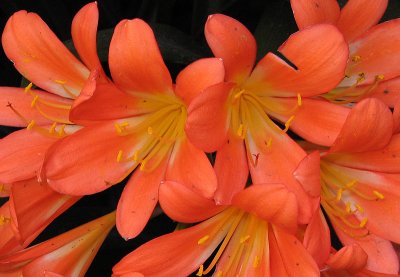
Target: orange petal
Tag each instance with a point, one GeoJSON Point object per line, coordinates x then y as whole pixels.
{"type": "Point", "coordinates": [316, 120]}
{"type": "Point", "coordinates": [281, 203]}
{"type": "Point", "coordinates": [41, 57]}
{"type": "Point", "coordinates": [377, 50]}
{"type": "Point", "coordinates": [387, 91]}
{"type": "Point", "coordinates": [16, 108]}
{"type": "Point", "coordinates": [308, 13]}
{"type": "Point", "coordinates": [84, 31]}
{"type": "Point", "coordinates": [190, 166]}
{"type": "Point", "coordinates": [232, 41]}
{"type": "Point", "coordinates": [86, 162]}
{"type": "Point", "coordinates": [350, 257]}
{"type": "Point", "coordinates": [290, 255]}
{"type": "Point", "coordinates": [8, 241]}
{"type": "Point", "coordinates": [232, 170]}
{"type": "Point", "coordinates": [207, 123]}
{"type": "Point", "coordinates": [22, 154]}
{"type": "Point", "coordinates": [138, 200]}
{"type": "Point", "coordinates": [357, 16]}
{"type": "Point", "coordinates": [369, 126]}
{"type": "Point", "coordinates": [183, 205]}
{"type": "Point", "coordinates": [32, 200]}
{"type": "Point", "coordinates": [198, 76]}
{"type": "Point", "coordinates": [317, 239]}
{"type": "Point", "coordinates": [135, 61]}
{"type": "Point", "coordinates": [319, 54]}
{"type": "Point", "coordinates": [308, 174]}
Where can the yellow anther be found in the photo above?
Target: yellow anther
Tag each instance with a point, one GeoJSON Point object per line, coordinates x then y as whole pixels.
{"type": "Point", "coordinates": [256, 261]}
{"type": "Point", "coordinates": [35, 99]}
{"type": "Point", "coordinates": [203, 239]}
{"type": "Point", "coordinates": [241, 132]}
{"type": "Point", "coordinates": [361, 77]}
{"type": "Point", "coordinates": [339, 194]}
{"type": "Point", "coordinates": [53, 128]}
{"type": "Point", "coordinates": [244, 239]}
{"type": "Point", "coordinates": [31, 125]}
{"type": "Point", "coordinates": [299, 101]}
{"type": "Point", "coordinates": [356, 58]}
{"type": "Point", "coordinates": [61, 132]}
{"type": "Point", "coordinates": [269, 143]}
{"type": "Point", "coordinates": [150, 131]}
{"type": "Point", "coordinates": [351, 184]}
{"type": "Point", "coordinates": [4, 220]}
{"type": "Point", "coordinates": [200, 272]}
{"type": "Point", "coordinates": [124, 124]}
{"type": "Point", "coordinates": [379, 77]}
{"type": "Point", "coordinates": [363, 222]}
{"type": "Point", "coordinates": [287, 124]}
{"type": "Point", "coordinates": [119, 156]}
{"type": "Point", "coordinates": [359, 208]}
{"type": "Point", "coordinates": [237, 95]}
{"type": "Point", "coordinates": [136, 156]}
{"type": "Point", "coordinates": [28, 87]}
{"type": "Point", "coordinates": [61, 82]}
{"type": "Point", "coordinates": [378, 194]}
{"type": "Point", "coordinates": [219, 273]}
{"type": "Point", "coordinates": [142, 165]}
{"type": "Point", "coordinates": [118, 128]}
{"type": "Point", "coordinates": [348, 207]}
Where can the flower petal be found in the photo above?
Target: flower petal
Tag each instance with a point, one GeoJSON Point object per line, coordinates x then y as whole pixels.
{"type": "Point", "coordinates": [308, 13]}
{"type": "Point", "coordinates": [377, 50]}
{"type": "Point", "coordinates": [198, 76]}
{"type": "Point", "coordinates": [319, 64]}
{"type": "Point", "coordinates": [135, 61]}
{"type": "Point", "coordinates": [350, 257]}
{"type": "Point", "coordinates": [8, 241]}
{"type": "Point", "coordinates": [387, 91]}
{"type": "Point", "coordinates": [86, 162]}
{"type": "Point", "coordinates": [308, 174]}
{"type": "Point", "coordinates": [357, 16]}
{"type": "Point", "coordinates": [190, 166]}
{"type": "Point", "coordinates": [282, 204]}
{"type": "Point", "coordinates": [41, 57]}
{"type": "Point", "coordinates": [231, 169]}
{"type": "Point", "coordinates": [207, 123]}
{"type": "Point", "coordinates": [232, 41]}
{"type": "Point", "coordinates": [183, 205]}
{"type": "Point", "coordinates": [84, 31]}
{"type": "Point", "coordinates": [138, 200]}
{"type": "Point", "coordinates": [369, 126]}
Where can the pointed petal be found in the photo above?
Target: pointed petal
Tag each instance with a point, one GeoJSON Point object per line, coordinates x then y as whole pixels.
{"type": "Point", "coordinates": [22, 154]}
{"type": "Point", "coordinates": [191, 167]}
{"type": "Point", "coordinates": [316, 120]}
{"type": "Point", "coordinates": [84, 30]}
{"type": "Point", "coordinates": [183, 205]}
{"type": "Point", "coordinates": [231, 169]}
{"type": "Point", "coordinates": [86, 161]}
{"type": "Point", "coordinates": [350, 257]}
{"type": "Point", "coordinates": [232, 41]}
{"type": "Point", "coordinates": [135, 61]}
{"type": "Point", "coordinates": [308, 13]}
{"type": "Point", "coordinates": [41, 57]}
{"type": "Point", "coordinates": [308, 174]}
{"type": "Point", "coordinates": [377, 50]}
{"type": "Point", "coordinates": [319, 64]}
{"type": "Point", "coordinates": [357, 16]}
{"type": "Point", "coordinates": [369, 126]}
{"type": "Point", "coordinates": [207, 123]}
{"type": "Point", "coordinates": [317, 238]}
{"type": "Point", "coordinates": [138, 200]}
{"type": "Point", "coordinates": [282, 204]}
{"type": "Point", "coordinates": [198, 76]}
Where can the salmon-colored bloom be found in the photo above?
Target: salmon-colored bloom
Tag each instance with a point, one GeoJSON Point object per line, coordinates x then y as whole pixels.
{"type": "Point", "coordinates": [236, 117]}
{"type": "Point", "coordinates": [372, 69]}
{"type": "Point", "coordinates": [68, 254]}
{"type": "Point", "coordinates": [141, 126]}
{"type": "Point", "coordinates": [360, 184]}
{"type": "Point", "coordinates": [252, 237]}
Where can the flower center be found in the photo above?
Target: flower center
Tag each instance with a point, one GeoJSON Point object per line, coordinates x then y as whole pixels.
{"type": "Point", "coordinates": [155, 132]}
{"type": "Point", "coordinates": [338, 195]}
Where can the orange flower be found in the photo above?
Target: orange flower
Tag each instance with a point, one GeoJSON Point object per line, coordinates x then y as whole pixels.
{"type": "Point", "coordinates": [141, 125]}
{"type": "Point", "coordinates": [68, 254]}
{"type": "Point", "coordinates": [252, 237]}
{"type": "Point", "coordinates": [371, 68]}
{"type": "Point", "coordinates": [235, 117]}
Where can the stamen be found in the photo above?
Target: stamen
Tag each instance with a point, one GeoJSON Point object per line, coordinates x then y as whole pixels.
{"type": "Point", "coordinates": [287, 124]}
{"type": "Point", "coordinates": [356, 58]}
{"type": "Point", "coordinates": [299, 102]}
{"type": "Point", "coordinates": [136, 156]}
{"type": "Point", "coordinates": [203, 239]}
{"type": "Point", "coordinates": [53, 128]}
{"type": "Point", "coordinates": [378, 194]}
{"type": "Point", "coordinates": [118, 128]}
{"type": "Point", "coordinates": [351, 184]}
{"type": "Point", "coordinates": [150, 130]}
{"type": "Point", "coordinates": [244, 239]}
{"type": "Point", "coordinates": [31, 125]}
{"type": "Point", "coordinates": [240, 130]}
{"type": "Point", "coordinates": [363, 222]}
{"type": "Point", "coordinates": [361, 77]}
{"type": "Point", "coordinates": [348, 207]}
{"type": "Point", "coordinates": [256, 262]}
{"type": "Point", "coordinates": [200, 272]}
{"type": "Point", "coordinates": [35, 98]}
{"type": "Point", "coordinates": [359, 208]}
{"type": "Point", "coordinates": [119, 156]}
{"type": "Point", "coordinates": [238, 94]}
{"type": "Point", "coordinates": [339, 194]}
{"type": "Point", "coordinates": [379, 77]}
{"type": "Point", "coordinates": [4, 220]}
{"type": "Point", "coordinates": [61, 82]}
{"type": "Point", "coordinates": [142, 165]}
{"type": "Point", "coordinates": [61, 132]}
{"type": "Point", "coordinates": [28, 88]}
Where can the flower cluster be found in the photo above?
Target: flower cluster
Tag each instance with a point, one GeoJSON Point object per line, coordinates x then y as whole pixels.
{"type": "Point", "coordinates": [253, 159]}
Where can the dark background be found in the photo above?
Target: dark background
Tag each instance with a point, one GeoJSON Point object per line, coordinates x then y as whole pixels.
{"type": "Point", "coordinates": [178, 26]}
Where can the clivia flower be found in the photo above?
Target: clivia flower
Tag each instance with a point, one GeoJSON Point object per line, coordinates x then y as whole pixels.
{"type": "Point", "coordinates": [372, 68]}
{"type": "Point", "coordinates": [254, 236]}
{"type": "Point", "coordinates": [235, 118]}
{"type": "Point", "coordinates": [140, 124]}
